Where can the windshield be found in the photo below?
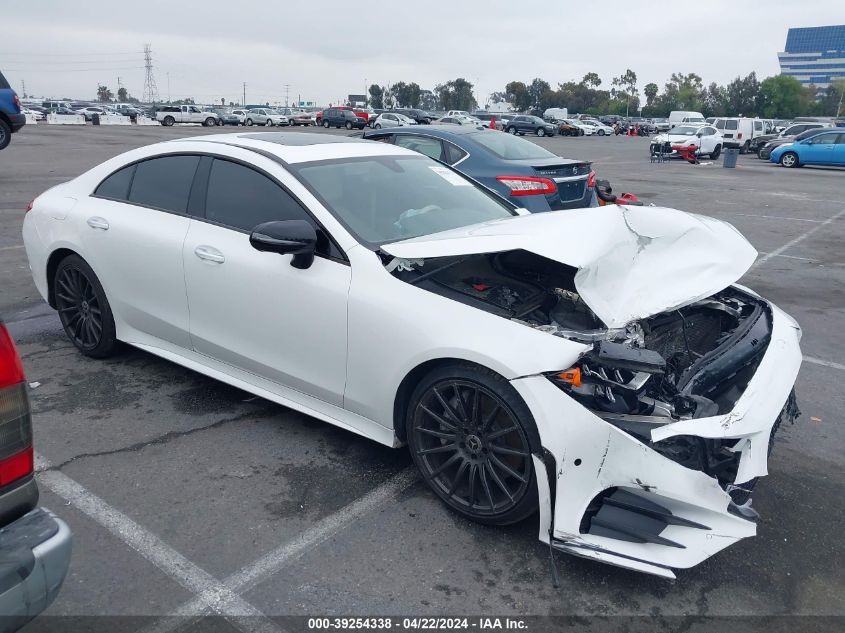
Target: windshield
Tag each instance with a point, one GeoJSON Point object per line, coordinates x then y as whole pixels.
{"type": "Point", "coordinates": [510, 147]}
{"type": "Point", "coordinates": [685, 130]}
{"type": "Point", "coordinates": [383, 199]}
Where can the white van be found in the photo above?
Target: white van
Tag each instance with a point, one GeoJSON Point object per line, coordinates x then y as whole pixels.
{"type": "Point", "coordinates": [677, 117]}
{"type": "Point", "coordinates": [556, 114]}
{"type": "Point", "coordinates": [738, 132]}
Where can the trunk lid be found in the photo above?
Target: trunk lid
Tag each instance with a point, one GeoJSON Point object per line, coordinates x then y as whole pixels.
{"type": "Point", "coordinates": [632, 262]}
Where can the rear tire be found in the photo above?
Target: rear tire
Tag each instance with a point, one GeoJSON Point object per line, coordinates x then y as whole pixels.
{"type": "Point", "coordinates": [378, 126]}
{"type": "Point", "coordinates": [169, 120]}
{"type": "Point", "coordinates": [84, 310]}
{"type": "Point", "coordinates": [744, 148]}
{"type": "Point", "coordinates": [601, 132]}
{"type": "Point", "coordinates": [471, 436]}
{"type": "Point", "coordinates": [210, 122]}
{"type": "Point", "coordinates": [5, 134]}
{"type": "Point", "coordinates": [716, 152]}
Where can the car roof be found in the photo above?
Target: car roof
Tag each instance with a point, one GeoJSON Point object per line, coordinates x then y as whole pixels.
{"type": "Point", "coordinates": [301, 147]}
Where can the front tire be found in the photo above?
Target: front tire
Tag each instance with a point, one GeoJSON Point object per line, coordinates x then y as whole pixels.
{"type": "Point", "coordinates": [268, 123]}
{"type": "Point", "coordinates": [540, 132]}
{"type": "Point", "coordinates": [601, 132]}
{"type": "Point", "coordinates": [249, 122]}
{"type": "Point", "coordinates": [472, 436]}
{"type": "Point", "coordinates": [348, 125]}
{"type": "Point", "coordinates": [83, 308]}
{"type": "Point", "coordinates": [511, 130]}
{"type": "Point", "coordinates": [789, 159]}
{"type": "Point", "coordinates": [326, 124]}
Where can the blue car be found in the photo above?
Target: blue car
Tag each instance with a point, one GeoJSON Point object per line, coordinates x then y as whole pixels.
{"type": "Point", "coordinates": [518, 170]}
{"type": "Point", "coordinates": [11, 117]}
{"type": "Point", "coordinates": [825, 148]}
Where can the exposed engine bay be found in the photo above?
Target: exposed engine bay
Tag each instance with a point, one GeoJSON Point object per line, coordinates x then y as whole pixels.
{"type": "Point", "coordinates": [693, 362]}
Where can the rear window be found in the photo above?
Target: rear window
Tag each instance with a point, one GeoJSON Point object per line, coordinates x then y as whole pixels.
{"type": "Point", "coordinates": [4, 85]}
{"type": "Point", "coordinates": [509, 147]}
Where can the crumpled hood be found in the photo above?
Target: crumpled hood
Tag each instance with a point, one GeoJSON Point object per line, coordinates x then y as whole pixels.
{"type": "Point", "coordinates": [633, 262]}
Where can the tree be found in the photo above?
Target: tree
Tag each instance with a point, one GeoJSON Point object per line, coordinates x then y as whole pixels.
{"type": "Point", "coordinates": [456, 94]}
{"type": "Point", "coordinates": [780, 97]}
{"type": "Point", "coordinates": [376, 96]}
{"type": "Point", "coordinates": [650, 93]}
{"type": "Point", "coordinates": [742, 95]}
{"type": "Point", "coordinates": [715, 100]}
{"type": "Point", "coordinates": [540, 93]}
{"type": "Point", "coordinates": [122, 94]}
{"type": "Point", "coordinates": [625, 90]}
{"type": "Point", "coordinates": [104, 95]}
{"type": "Point", "coordinates": [428, 100]}
{"type": "Point", "coordinates": [498, 97]}
{"type": "Point", "coordinates": [518, 96]}
{"type": "Point", "coordinates": [591, 80]}
{"type": "Point", "coordinates": [407, 95]}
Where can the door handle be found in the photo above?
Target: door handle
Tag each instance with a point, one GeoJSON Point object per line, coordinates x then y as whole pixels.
{"type": "Point", "coordinates": [209, 254]}
{"type": "Point", "coordinates": [98, 223]}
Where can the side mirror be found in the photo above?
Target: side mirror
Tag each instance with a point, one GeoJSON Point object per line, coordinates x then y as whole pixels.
{"type": "Point", "coordinates": [294, 237]}
{"type": "Point", "coordinates": [699, 134]}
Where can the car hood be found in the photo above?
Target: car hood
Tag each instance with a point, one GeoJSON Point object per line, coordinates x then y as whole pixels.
{"type": "Point", "coordinates": [675, 138]}
{"type": "Point", "coordinates": [632, 262]}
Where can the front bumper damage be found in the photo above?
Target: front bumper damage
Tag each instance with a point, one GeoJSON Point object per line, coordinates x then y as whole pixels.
{"type": "Point", "coordinates": [610, 497]}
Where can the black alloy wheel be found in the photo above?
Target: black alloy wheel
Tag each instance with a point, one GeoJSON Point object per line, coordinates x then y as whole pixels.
{"type": "Point", "coordinates": [83, 309]}
{"type": "Point", "coordinates": [469, 436]}
{"type": "Point", "coordinates": [5, 134]}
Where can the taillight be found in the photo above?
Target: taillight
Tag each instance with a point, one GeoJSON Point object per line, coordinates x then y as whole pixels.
{"type": "Point", "coordinates": [29, 205]}
{"type": "Point", "coordinates": [527, 185]}
{"type": "Point", "coordinates": [739, 135]}
{"type": "Point", "coordinates": [591, 179]}
{"type": "Point", "coordinates": [16, 455]}
{"type": "Point", "coordinates": [17, 101]}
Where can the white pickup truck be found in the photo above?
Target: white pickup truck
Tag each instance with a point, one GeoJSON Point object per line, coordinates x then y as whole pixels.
{"type": "Point", "coordinates": [168, 115]}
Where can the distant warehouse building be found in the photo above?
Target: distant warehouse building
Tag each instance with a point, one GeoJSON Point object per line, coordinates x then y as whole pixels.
{"type": "Point", "coordinates": [814, 55]}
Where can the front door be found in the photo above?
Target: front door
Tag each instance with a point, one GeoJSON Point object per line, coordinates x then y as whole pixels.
{"type": "Point", "coordinates": [252, 309]}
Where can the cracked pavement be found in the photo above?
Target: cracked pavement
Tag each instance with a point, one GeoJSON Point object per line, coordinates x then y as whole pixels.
{"type": "Point", "coordinates": [224, 477]}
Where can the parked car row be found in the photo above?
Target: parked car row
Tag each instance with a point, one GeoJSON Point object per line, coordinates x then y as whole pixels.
{"type": "Point", "coordinates": [825, 146]}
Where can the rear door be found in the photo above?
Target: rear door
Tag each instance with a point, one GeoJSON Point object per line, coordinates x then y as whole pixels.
{"type": "Point", "coordinates": [133, 228]}
{"type": "Point", "coordinates": [839, 150]}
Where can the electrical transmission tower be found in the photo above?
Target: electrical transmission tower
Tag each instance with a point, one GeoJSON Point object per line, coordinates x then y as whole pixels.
{"type": "Point", "coordinates": [150, 94]}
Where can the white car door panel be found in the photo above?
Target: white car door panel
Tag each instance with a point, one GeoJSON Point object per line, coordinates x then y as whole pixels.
{"type": "Point", "coordinates": [136, 250]}
{"type": "Point", "coordinates": [252, 309]}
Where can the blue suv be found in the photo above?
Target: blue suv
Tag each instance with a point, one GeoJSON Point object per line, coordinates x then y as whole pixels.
{"type": "Point", "coordinates": [11, 117]}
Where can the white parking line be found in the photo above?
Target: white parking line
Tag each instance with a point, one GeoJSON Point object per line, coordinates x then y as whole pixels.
{"type": "Point", "coordinates": [11, 248]}
{"type": "Point", "coordinates": [778, 217]}
{"type": "Point", "coordinates": [797, 240]}
{"type": "Point", "coordinates": [196, 580]}
{"type": "Point", "coordinates": [272, 562]}
{"type": "Point", "coordinates": [824, 363]}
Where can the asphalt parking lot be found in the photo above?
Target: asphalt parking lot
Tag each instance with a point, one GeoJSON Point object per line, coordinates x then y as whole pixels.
{"type": "Point", "coordinates": [186, 496]}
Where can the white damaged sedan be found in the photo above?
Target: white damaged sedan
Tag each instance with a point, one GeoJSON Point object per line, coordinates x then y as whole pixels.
{"type": "Point", "coordinates": [599, 365]}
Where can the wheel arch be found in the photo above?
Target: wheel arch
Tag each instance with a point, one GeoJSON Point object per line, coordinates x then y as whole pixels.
{"type": "Point", "coordinates": [415, 375]}
{"type": "Point", "coordinates": [53, 262]}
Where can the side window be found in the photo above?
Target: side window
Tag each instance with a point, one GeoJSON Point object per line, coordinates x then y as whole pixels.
{"type": "Point", "coordinates": [164, 183]}
{"type": "Point", "coordinates": [243, 198]}
{"type": "Point", "coordinates": [823, 139]}
{"type": "Point", "coordinates": [453, 153]}
{"type": "Point", "coordinates": [758, 126]}
{"type": "Point", "coordinates": [731, 125]}
{"type": "Point", "coordinates": [428, 146]}
{"type": "Point", "coordinates": [116, 186]}
{"type": "Point", "coordinates": [720, 124]}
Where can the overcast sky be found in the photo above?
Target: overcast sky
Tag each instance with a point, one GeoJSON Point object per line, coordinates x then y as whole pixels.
{"type": "Point", "coordinates": [328, 49]}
